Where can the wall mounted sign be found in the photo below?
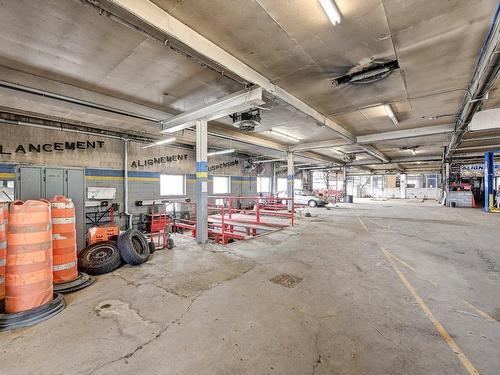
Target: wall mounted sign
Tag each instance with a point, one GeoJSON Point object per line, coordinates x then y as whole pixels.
{"type": "Point", "coordinates": [158, 160]}
{"type": "Point", "coordinates": [52, 147]}
{"type": "Point", "coordinates": [223, 165]}
{"type": "Point", "coordinates": [476, 170]}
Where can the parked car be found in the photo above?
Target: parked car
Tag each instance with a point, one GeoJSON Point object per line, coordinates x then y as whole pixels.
{"type": "Point", "coordinates": [301, 196]}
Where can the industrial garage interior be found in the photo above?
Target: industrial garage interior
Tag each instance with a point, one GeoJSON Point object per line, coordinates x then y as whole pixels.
{"type": "Point", "coordinates": [249, 187]}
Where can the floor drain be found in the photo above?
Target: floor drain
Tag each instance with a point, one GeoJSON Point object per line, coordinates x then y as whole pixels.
{"type": "Point", "coordinates": [286, 280]}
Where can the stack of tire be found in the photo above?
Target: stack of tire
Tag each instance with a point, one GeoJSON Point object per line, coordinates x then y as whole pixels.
{"type": "Point", "coordinates": [130, 247]}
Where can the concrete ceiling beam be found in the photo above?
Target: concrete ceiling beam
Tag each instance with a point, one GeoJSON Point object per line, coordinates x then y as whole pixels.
{"type": "Point", "coordinates": [319, 145]}
{"type": "Point", "coordinates": [375, 153]}
{"type": "Point", "coordinates": [154, 16]}
{"type": "Point", "coordinates": [406, 133]}
{"type": "Point", "coordinates": [237, 102]}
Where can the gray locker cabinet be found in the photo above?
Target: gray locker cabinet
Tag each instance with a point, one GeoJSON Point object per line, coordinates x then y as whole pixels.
{"type": "Point", "coordinates": [54, 182]}
{"type": "Point", "coordinates": [46, 182]}
{"type": "Point", "coordinates": [30, 183]}
{"type": "Point", "coordinates": [75, 189]}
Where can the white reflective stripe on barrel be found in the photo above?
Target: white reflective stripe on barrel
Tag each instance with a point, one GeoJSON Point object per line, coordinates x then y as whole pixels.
{"type": "Point", "coordinates": [64, 266]}
{"type": "Point", "coordinates": [63, 220]}
{"type": "Point", "coordinates": [3, 262]}
{"type": "Point", "coordinates": [3, 244]}
{"type": "Point", "coordinates": [2, 227]}
{"type": "Point", "coordinates": [57, 236]}
{"type": "Point", "coordinates": [62, 205]}
{"type": "Point", "coordinates": [2, 279]}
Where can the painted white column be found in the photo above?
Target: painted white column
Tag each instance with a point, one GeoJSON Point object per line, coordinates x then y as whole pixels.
{"type": "Point", "coordinates": [201, 182]}
{"type": "Point", "coordinates": [402, 185]}
{"type": "Point", "coordinates": [290, 178]}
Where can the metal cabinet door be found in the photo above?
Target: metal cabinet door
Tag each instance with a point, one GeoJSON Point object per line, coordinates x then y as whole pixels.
{"type": "Point", "coordinates": [75, 189]}
{"type": "Point", "coordinates": [30, 183]}
{"type": "Point", "coordinates": [54, 182]}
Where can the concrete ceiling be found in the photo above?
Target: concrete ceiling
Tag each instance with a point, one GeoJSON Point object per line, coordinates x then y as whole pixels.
{"type": "Point", "coordinates": [70, 48]}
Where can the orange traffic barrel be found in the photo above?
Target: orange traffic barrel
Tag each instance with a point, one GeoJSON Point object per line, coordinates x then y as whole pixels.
{"type": "Point", "coordinates": [64, 252]}
{"type": "Point", "coordinates": [28, 270]}
{"type": "Point", "coordinates": [3, 252]}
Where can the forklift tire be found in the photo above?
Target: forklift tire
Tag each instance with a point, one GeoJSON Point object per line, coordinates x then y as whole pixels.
{"type": "Point", "coordinates": [170, 243]}
{"type": "Point", "coordinates": [99, 258]}
{"type": "Point", "coordinates": [133, 247]}
{"type": "Point", "coordinates": [152, 247]}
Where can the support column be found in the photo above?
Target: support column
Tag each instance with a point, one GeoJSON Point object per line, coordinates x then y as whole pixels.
{"type": "Point", "coordinates": [290, 178]}
{"type": "Point", "coordinates": [201, 182]}
{"type": "Point", "coordinates": [447, 182]}
{"type": "Point", "coordinates": [402, 185]}
{"type": "Point", "coordinates": [371, 186]}
{"type": "Point", "coordinates": [275, 182]}
{"type": "Point", "coordinates": [128, 216]}
{"type": "Point", "coordinates": [489, 178]}
{"type": "Point", "coordinates": [344, 171]}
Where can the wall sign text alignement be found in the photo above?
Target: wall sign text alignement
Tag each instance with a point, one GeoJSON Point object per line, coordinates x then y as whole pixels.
{"type": "Point", "coordinates": [158, 160]}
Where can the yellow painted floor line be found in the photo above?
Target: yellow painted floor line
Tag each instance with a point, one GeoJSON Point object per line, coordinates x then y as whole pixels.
{"type": "Point", "coordinates": [363, 224]}
{"type": "Point", "coordinates": [402, 262]}
{"type": "Point", "coordinates": [439, 327]}
{"type": "Point", "coordinates": [482, 313]}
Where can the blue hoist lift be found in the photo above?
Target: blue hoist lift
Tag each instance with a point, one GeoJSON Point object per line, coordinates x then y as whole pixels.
{"type": "Point", "coordinates": [490, 193]}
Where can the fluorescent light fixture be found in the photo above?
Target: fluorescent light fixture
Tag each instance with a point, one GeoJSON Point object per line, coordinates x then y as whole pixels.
{"type": "Point", "coordinates": [336, 151]}
{"type": "Point", "coordinates": [390, 114]}
{"type": "Point", "coordinates": [162, 142]}
{"type": "Point", "coordinates": [289, 137]}
{"type": "Point", "coordinates": [222, 152]}
{"type": "Point", "coordinates": [331, 11]}
{"type": "Point", "coordinates": [413, 151]}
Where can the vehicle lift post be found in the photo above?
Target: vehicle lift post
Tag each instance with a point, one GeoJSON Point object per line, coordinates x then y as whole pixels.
{"type": "Point", "coordinates": [489, 182]}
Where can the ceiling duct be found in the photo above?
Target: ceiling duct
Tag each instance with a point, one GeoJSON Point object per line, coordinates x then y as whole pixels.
{"type": "Point", "coordinates": [373, 73]}
{"type": "Point", "coordinates": [247, 121]}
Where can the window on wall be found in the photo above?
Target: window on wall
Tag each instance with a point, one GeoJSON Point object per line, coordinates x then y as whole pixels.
{"type": "Point", "coordinates": [281, 184]}
{"type": "Point", "coordinates": [319, 180]}
{"type": "Point", "coordinates": [172, 184]}
{"type": "Point", "coordinates": [431, 181]}
{"type": "Point", "coordinates": [221, 185]}
{"type": "Point", "coordinates": [6, 191]}
{"type": "Point", "coordinates": [263, 185]}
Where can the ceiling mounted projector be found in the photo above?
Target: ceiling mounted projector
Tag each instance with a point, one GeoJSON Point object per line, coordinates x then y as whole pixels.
{"type": "Point", "coordinates": [247, 121]}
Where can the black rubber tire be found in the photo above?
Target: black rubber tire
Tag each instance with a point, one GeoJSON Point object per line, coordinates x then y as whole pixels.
{"type": "Point", "coordinates": [152, 247]}
{"type": "Point", "coordinates": [99, 258]}
{"type": "Point", "coordinates": [133, 246]}
{"type": "Point", "coordinates": [82, 281]}
{"type": "Point", "coordinates": [33, 316]}
{"type": "Point", "coordinates": [170, 243]}
{"type": "Point", "coordinates": [312, 203]}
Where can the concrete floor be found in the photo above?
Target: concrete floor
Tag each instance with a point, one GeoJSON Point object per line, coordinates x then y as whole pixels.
{"type": "Point", "coordinates": [214, 310]}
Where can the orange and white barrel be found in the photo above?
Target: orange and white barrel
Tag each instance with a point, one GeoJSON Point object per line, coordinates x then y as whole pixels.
{"type": "Point", "coordinates": [3, 252]}
{"type": "Point", "coordinates": [28, 270]}
{"type": "Point", "coordinates": [63, 239]}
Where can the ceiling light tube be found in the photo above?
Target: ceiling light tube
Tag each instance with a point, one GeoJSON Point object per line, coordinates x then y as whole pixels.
{"type": "Point", "coordinates": [162, 142]}
{"type": "Point", "coordinates": [390, 114]}
{"type": "Point", "coordinates": [336, 151]}
{"type": "Point", "coordinates": [413, 151]}
{"type": "Point", "coordinates": [222, 152]}
{"type": "Point", "coordinates": [331, 11]}
{"type": "Point", "coordinates": [289, 137]}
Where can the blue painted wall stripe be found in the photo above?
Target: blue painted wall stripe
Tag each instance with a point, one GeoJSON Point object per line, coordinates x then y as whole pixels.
{"type": "Point", "coordinates": [201, 166]}
{"type": "Point", "coordinates": [7, 168]}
